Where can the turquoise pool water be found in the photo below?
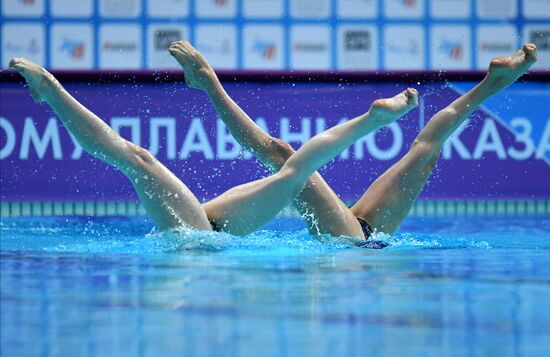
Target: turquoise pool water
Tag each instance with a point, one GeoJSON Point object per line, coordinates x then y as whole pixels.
{"type": "Point", "coordinates": [100, 287]}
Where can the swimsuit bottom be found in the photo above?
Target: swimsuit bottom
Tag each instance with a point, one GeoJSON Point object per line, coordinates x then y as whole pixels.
{"type": "Point", "coordinates": [214, 226]}
{"type": "Point", "coordinates": [367, 231]}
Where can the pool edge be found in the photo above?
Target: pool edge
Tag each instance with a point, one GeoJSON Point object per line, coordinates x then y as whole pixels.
{"type": "Point", "coordinates": [421, 208]}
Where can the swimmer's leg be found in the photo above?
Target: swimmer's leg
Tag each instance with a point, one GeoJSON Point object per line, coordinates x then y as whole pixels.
{"type": "Point", "coordinates": [319, 205]}
{"type": "Point", "coordinates": [166, 199]}
{"type": "Point", "coordinates": [389, 199]}
{"type": "Point", "coordinates": [243, 209]}
{"type": "Point", "coordinates": [199, 74]}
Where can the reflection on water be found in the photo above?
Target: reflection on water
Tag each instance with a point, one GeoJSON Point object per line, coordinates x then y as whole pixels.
{"type": "Point", "coordinates": [74, 288]}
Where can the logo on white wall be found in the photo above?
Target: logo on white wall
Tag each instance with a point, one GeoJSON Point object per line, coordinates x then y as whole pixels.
{"type": "Point", "coordinates": [159, 38]}
{"type": "Point", "coordinates": [358, 9]}
{"type": "Point", "coordinates": [23, 40]}
{"type": "Point", "coordinates": [451, 47]}
{"type": "Point", "coordinates": [263, 47]}
{"type": "Point", "coordinates": [120, 46]}
{"type": "Point", "coordinates": [451, 9]}
{"type": "Point", "coordinates": [495, 41]}
{"type": "Point", "coordinates": [71, 46]}
{"type": "Point", "coordinates": [120, 8]}
{"type": "Point", "coordinates": [357, 47]}
{"type": "Point", "coordinates": [404, 47]}
{"type": "Point", "coordinates": [539, 34]}
{"type": "Point", "coordinates": [310, 47]}
{"type": "Point", "coordinates": [263, 8]}
{"type": "Point", "coordinates": [77, 8]}
{"type": "Point", "coordinates": [404, 9]}
{"type": "Point", "coordinates": [216, 8]}
{"type": "Point", "coordinates": [168, 8]}
{"type": "Point", "coordinates": [218, 43]}
{"type": "Point", "coordinates": [536, 9]}
{"type": "Point", "coordinates": [23, 8]}
{"type": "Point", "coordinates": [496, 9]}
{"type": "Point", "coordinates": [308, 9]}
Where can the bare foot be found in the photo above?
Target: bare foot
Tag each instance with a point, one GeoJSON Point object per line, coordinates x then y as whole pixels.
{"type": "Point", "coordinates": [385, 111]}
{"type": "Point", "coordinates": [504, 71]}
{"type": "Point", "coordinates": [39, 80]}
{"type": "Point", "coordinates": [198, 72]}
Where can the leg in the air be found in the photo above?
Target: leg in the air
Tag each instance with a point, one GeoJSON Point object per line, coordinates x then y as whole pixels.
{"type": "Point", "coordinates": [166, 199]}
{"type": "Point", "coordinates": [317, 202]}
{"type": "Point", "coordinates": [388, 200]}
{"type": "Point", "coordinates": [243, 209]}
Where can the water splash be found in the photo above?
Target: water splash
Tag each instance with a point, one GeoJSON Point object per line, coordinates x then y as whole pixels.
{"type": "Point", "coordinates": [428, 241]}
{"type": "Point", "coordinates": [285, 236]}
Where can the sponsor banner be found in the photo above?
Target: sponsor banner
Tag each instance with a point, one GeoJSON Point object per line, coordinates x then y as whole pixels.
{"type": "Point", "coordinates": [404, 9]}
{"type": "Point", "coordinates": [218, 43]}
{"type": "Point", "coordinates": [72, 46]}
{"type": "Point", "coordinates": [120, 8]}
{"type": "Point", "coordinates": [263, 47]}
{"type": "Point", "coordinates": [159, 38]}
{"type": "Point", "coordinates": [310, 9]}
{"type": "Point", "coordinates": [489, 157]}
{"type": "Point", "coordinates": [451, 46]}
{"type": "Point", "coordinates": [77, 8]}
{"type": "Point", "coordinates": [536, 9]}
{"type": "Point", "coordinates": [168, 8]}
{"type": "Point", "coordinates": [495, 41]}
{"type": "Point", "coordinates": [357, 47]}
{"type": "Point", "coordinates": [451, 9]}
{"type": "Point", "coordinates": [357, 9]}
{"type": "Point", "coordinates": [263, 8]}
{"type": "Point", "coordinates": [539, 34]}
{"type": "Point", "coordinates": [404, 47]}
{"type": "Point", "coordinates": [310, 47]}
{"type": "Point", "coordinates": [22, 8]}
{"type": "Point", "coordinates": [496, 9]}
{"type": "Point", "coordinates": [120, 46]}
{"type": "Point", "coordinates": [23, 40]}
{"type": "Point", "coordinates": [216, 8]}
{"type": "Point", "coordinates": [206, 19]}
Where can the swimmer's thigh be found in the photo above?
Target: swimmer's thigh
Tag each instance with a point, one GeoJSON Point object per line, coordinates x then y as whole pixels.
{"type": "Point", "coordinates": [389, 199]}
{"type": "Point", "coordinates": [246, 208]}
{"type": "Point", "coordinates": [324, 212]}
{"type": "Point", "coordinates": [165, 198]}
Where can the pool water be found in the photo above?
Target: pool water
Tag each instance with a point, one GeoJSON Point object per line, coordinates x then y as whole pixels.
{"type": "Point", "coordinates": [110, 286]}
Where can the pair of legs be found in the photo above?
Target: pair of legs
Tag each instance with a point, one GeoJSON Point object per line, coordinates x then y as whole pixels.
{"type": "Point", "coordinates": [167, 200]}
{"type": "Point", "coordinates": [388, 200]}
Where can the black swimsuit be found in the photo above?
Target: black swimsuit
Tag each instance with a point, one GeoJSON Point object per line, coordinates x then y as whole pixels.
{"type": "Point", "coordinates": [368, 232]}
{"type": "Point", "coordinates": [365, 226]}
{"type": "Point", "coordinates": [214, 226]}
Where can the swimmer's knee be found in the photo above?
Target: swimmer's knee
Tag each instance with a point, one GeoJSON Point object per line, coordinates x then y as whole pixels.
{"type": "Point", "coordinates": [428, 153]}
{"type": "Point", "coordinates": [280, 152]}
{"type": "Point", "coordinates": [139, 156]}
{"type": "Point", "coordinates": [450, 111]}
{"type": "Point", "coordinates": [282, 148]}
{"type": "Point", "coordinates": [292, 179]}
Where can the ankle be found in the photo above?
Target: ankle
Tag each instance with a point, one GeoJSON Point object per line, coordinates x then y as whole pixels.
{"type": "Point", "coordinates": [210, 81]}
{"type": "Point", "coordinates": [493, 83]}
{"type": "Point", "coordinates": [371, 120]}
{"type": "Point", "coordinates": [48, 85]}
{"type": "Point", "coordinates": [214, 89]}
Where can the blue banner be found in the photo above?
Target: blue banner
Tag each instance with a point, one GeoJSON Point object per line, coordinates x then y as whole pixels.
{"type": "Point", "coordinates": [503, 150]}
